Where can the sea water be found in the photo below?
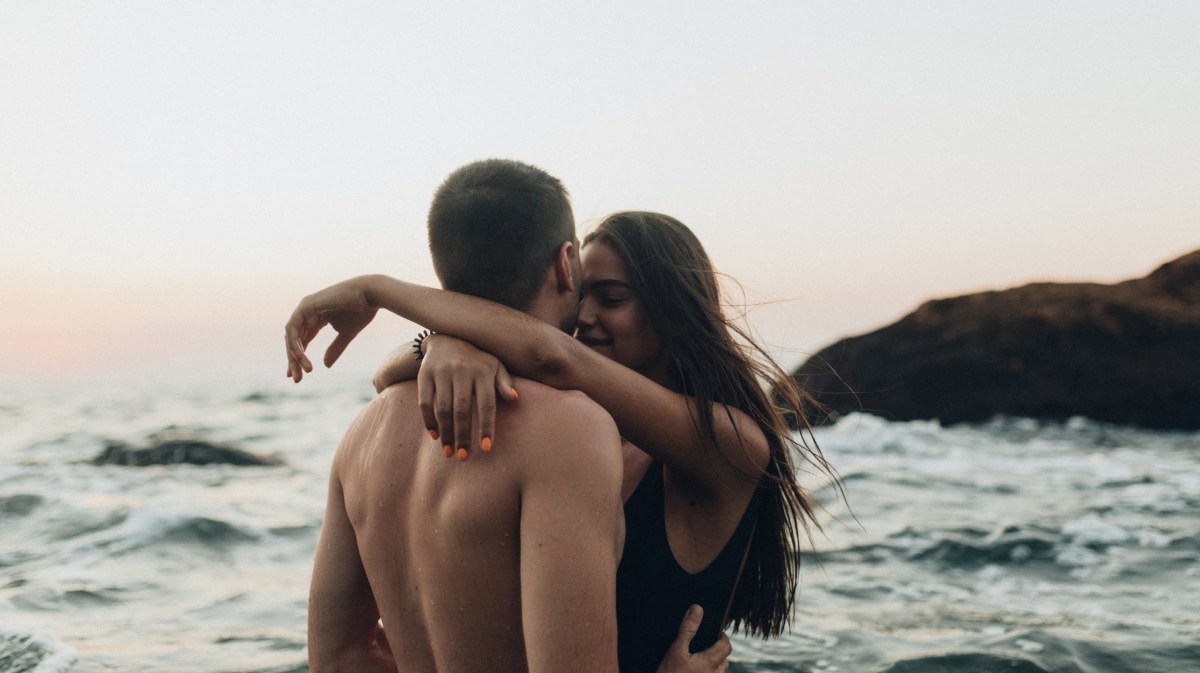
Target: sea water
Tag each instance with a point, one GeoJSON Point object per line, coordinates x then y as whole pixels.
{"type": "Point", "coordinates": [1015, 545]}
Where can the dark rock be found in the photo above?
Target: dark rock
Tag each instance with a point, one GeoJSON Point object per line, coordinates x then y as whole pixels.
{"type": "Point", "coordinates": [1125, 353]}
{"type": "Point", "coordinates": [177, 451]}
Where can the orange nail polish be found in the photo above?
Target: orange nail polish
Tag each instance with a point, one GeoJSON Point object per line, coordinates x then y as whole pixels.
{"type": "Point", "coordinates": [434, 434]}
{"type": "Point", "coordinates": [447, 450]}
{"type": "Point", "coordinates": [462, 454]}
{"type": "Point", "coordinates": [486, 444]}
{"type": "Point", "coordinates": [516, 395]}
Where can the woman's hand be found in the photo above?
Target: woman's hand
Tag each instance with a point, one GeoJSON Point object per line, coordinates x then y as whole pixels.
{"type": "Point", "coordinates": [457, 388]}
{"type": "Point", "coordinates": [679, 660]}
{"type": "Point", "coordinates": [344, 306]}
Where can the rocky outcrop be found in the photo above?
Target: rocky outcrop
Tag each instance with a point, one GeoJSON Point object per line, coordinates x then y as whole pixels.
{"type": "Point", "coordinates": [179, 451]}
{"type": "Point", "coordinates": [1125, 353]}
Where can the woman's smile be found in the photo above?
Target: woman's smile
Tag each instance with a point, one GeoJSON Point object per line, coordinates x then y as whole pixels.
{"type": "Point", "coordinates": [612, 317]}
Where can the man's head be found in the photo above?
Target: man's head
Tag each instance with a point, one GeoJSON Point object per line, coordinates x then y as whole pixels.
{"type": "Point", "coordinates": [504, 231]}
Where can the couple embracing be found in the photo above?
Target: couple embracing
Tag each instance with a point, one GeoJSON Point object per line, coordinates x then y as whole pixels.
{"type": "Point", "coordinates": [617, 505]}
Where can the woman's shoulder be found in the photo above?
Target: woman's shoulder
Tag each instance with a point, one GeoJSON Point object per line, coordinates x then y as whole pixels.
{"type": "Point", "coordinates": [742, 439]}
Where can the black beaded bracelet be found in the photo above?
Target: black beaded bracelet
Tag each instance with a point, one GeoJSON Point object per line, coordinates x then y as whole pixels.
{"type": "Point", "coordinates": [417, 354]}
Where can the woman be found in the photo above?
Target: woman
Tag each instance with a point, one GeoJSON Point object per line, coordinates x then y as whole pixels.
{"type": "Point", "coordinates": [714, 512]}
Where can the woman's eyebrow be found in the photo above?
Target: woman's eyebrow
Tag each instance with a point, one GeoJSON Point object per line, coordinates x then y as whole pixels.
{"type": "Point", "coordinates": [605, 283]}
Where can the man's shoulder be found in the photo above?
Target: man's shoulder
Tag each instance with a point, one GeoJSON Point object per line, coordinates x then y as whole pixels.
{"type": "Point", "coordinates": [400, 391]}
{"type": "Point", "coordinates": [557, 425]}
{"type": "Point", "coordinates": [546, 398]}
{"type": "Point", "coordinates": [396, 402]}
{"type": "Point", "coordinates": [544, 410]}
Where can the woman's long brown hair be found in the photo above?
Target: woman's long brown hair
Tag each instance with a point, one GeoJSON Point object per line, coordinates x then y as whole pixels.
{"type": "Point", "coordinates": [718, 361]}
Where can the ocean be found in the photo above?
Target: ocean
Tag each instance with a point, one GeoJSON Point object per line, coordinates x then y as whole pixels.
{"type": "Point", "coordinates": [1015, 545]}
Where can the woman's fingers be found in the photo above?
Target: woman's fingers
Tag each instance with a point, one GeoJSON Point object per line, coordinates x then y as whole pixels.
{"type": "Point", "coordinates": [689, 626]}
{"type": "Point", "coordinates": [443, 411]}
{"type": "Point", "coordinates": [464, 412]}
{"type": "Point", "coordinates": [457, 388]}
{"type": "Point", "coordinates": [296, 336]}
{"type": "Point", "coordinates": [336, 348]}
{"type": "Point", "coordinates": [343, 306]}
{"type": "Point", "coordinates": [504, 383]}
{"type": "Point", "coordinates": [485, 412]}
{"type": "Point", "coordinates": [426, 401]}
{"type": "Point", "coordinates": [715, 659]}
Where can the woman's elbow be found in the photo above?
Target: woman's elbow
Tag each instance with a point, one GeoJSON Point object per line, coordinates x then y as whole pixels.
{"type": "Point", "coordinates": [550, 361]}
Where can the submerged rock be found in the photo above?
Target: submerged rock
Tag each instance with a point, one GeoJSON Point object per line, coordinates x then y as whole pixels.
{"type": "Point", "coordinates": [177, 451]}
{"type": "Point", "coordinates": [1122, 353]}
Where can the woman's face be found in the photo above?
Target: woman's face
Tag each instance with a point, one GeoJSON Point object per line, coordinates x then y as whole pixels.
{"type": "Point", "coordinates": [612, 318]}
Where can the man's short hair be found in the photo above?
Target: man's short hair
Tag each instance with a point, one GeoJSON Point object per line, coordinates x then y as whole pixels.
{"type": "Point", "coordinates": [494, 228]}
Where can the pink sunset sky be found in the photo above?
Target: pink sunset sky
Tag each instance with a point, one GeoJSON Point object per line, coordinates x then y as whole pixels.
{"type": "Point", "coordinates": [174, 177]}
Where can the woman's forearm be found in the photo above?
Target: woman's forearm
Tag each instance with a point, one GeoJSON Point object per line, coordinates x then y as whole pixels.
{"type": "Point", "coordinates": [528, 346]}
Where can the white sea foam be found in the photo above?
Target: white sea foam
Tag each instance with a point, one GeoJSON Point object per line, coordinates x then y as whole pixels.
{"type": "Point", "coordinates": [24, 651]}
{"type": "Point", "coordinates": [1092, 530]}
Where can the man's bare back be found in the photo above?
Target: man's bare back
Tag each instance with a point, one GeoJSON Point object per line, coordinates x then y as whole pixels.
{"type": "Point", "coordinates": [506, 562]}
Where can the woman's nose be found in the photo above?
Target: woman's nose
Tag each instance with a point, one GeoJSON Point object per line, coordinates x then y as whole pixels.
{"type": "Point", "coordinates": [587, 313]}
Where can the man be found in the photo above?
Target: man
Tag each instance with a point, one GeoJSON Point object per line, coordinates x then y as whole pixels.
{"type": "Point", "coordinates": [502, 565]}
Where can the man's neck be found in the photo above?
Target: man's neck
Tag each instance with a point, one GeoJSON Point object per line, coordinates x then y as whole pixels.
{"type": "Point", "coordinates": [548, 310]}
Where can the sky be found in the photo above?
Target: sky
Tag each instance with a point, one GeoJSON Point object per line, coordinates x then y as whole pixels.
{"type": "Point", "coordinates": [174, 176]}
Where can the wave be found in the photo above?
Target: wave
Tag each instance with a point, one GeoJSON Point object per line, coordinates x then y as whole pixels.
{"type": "Point", "coordinates": [181, 530]}
{"type": "Point", "coordinates": [1076, 542]}
{"type": "Point", "coordinates": [1020, 651]}
{"type": "Point", "coordinates": [960, 663]}
{"type": "Point", "coordinates": [30, 652]}
{"type": "Point", "coordinates": [21, 504]}
{"type": "Point", "coordinates": [874, 434]}
{"type": "Point", "coordinates": [124, 532]}
{"type": "Point", "coordinates": [49, 597]}
{"type": "Point", "coordinates": [1009, 547]}
{"type": "Point", "coordinates": [1109, 655]}
{"type": "Point", "coordinates": [301, 667]}
{"type": "Point", "coordinates": [82, 523]}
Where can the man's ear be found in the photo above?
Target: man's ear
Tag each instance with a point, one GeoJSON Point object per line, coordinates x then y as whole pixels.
{"type": "Point", "coordinates": [562, 267]}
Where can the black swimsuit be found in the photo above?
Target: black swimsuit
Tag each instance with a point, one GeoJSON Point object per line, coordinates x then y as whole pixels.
{"type": "Point", "coordinates": [653, 592]}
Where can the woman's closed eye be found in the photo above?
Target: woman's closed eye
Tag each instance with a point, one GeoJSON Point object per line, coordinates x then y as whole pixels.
{"type": "Point", "coordinates": [612, 299]}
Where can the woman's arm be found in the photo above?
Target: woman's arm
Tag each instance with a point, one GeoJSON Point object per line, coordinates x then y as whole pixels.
{"type": "Point", "coordinates": [349, 306]}
{"type": "Point", "coordinates": [659, 421]}
{"type": "Point", "coordinates": [399, 365]}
